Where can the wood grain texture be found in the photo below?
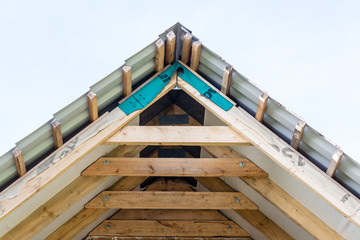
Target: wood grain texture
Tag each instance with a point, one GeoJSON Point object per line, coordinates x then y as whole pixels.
{"type": "Point", "coordinates": [165, 238]}
{"type": "Point", "coordinates": [227, 78]}
{"type": "Point", "coordinates": [172, 167]}
{"type": "Point", "coordinates": [171, 200]}
{"type": "Point", "coordinates": [126, 80]}
{"type": "Point", "coordinates": [260, 111]}
{"type": "Point", "coordinates": [93, 107]}
{"type": "Point", "coordinates": [334, 162]}
{"type": "Point", "coordinates": [170, 47]}
{"type": "Point", "coordinates": [56, 132]}
{"type": "Point", "coordinates": [186, 48]}
{"type": "Point", "coordinates": [195, 55]}
{"type": "Point", "coordinates": [19, 162]}
{"type": "Point", "coordinates": [159, 55]}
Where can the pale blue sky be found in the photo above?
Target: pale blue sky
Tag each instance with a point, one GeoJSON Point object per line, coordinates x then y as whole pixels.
{"type": "Point", "coordinates": [305, 54]}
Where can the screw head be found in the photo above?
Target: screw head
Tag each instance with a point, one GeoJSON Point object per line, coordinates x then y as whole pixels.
{"type": "Point", "coordinates": [108, 226]}
{"type": "Point", "coordinates": [241, 164]}
{"type": "Point", "coordinates": [237, 200]}
{"type": "Point", "coordinates": [106, 162]}
{"type": "Point", "coordinates": [229, 228]}
{"type": "Point", "coordinates": [106, 198]}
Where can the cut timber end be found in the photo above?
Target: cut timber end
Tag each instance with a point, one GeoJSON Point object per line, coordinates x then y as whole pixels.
{"type": "Point", "coordinates": [334, 163]}
{"type": "Point", "coordinates": [195, 55]}
{"type": "Point", "coordinates": [260, 112]}
{"type": "Point", "coordinates": [186, 48]}
{"type": "Point", "coordinates": [127, 88]}
{"type": "Point", "coordinates": [56, 131]}
{"type": "Point", "coordinates": [160, 55]}
{"type": "Point", "coordinates": [170, 48]}
{"type": "Point", "coordinates": [227, 78]}
{"type": "Point", "coordinates": [19, 161]}
{"type": "Point", "coordinates": [298, 132]}
{"type": "Point", "coordinates": [92, 105]}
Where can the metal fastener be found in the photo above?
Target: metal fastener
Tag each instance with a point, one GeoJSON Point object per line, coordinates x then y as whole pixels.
{"type": "Point", "coordinates": [106, 198]}
{"type": "Point", "coordinates": [106, 162]}
{"type": "Point", "coordinates": [229, 228]}
{"type": "Point", "coordinates": [241, 164]}
{"type": "Point", "coordinates": [237, 200]}
{"type": "Point", "coordinates": [108, 227]}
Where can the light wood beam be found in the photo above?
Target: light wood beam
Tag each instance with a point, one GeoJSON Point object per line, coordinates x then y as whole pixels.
{"type": "Point", "coordinates": [260, 112]}
{"type": "Point", "coordinates": [159, 55]}
{"type": "Point", "coordinates": [177, 135]}
{"type": "Point", "coordinates": [186, 48]}
{"type": "Point", "coordinates": [126, 78]}
{"type": "Point", "coordinates": [172, 167]}
{"type": "Point", "coordinates": [92, 105]}
{"type": "Point", "coordinates": [169, 228]}
{"type": "Point", "coordinates": [19, 162]}
{"type": "Point", "coordinates": [170, 48]}
{"type": "Point", "coordinates": [56, 132]}
{"type": "Point", "coordinates": [298, 132]}
{"type": "Point", "coordinates": [195, 55]}
{"type": "Point", "coordinates": [334, 163]}
{"type": "Point", "coordinates": [171, 200]}
{"type": "Point", "coordinates": [227, 78]}
{"type": "Point", "coordinates": [281, 199]}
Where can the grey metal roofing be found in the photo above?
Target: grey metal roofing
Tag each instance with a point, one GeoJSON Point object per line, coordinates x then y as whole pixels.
{"type": "Point", "coordinates": [277, 118]}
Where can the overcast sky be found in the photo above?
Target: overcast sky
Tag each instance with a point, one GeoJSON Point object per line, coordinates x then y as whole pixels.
{"type": "Point", "coordinates": [305, 54]}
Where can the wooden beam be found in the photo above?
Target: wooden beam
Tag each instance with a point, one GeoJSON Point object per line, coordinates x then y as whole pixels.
{"type": "Point", "coordinates": [126, 78]}
{"type": "Point", "coordinates": [260, 112]}
{"type": "Point", "coordinates": [227, 78]}
{"type": "Point", "coordinates": [169, 228]}
{"type": "Point", "coordinates": [172, 167]}
{"type": "Point", "coordinates": [97, 237]}
{"type": "Point", "coordinates": [274, 147]}
{"type": "Point", "coordinates": [298, 132]}
{"type": "Point", "coordinates": [170, 48]}
{"type": "Point", "coordinates": [177, 135]}
{"type": "Point", "coordinates": [56, 132]}
{"type": "Point", "coordinates": [334, 163]}
{"type": "Point", "coordinates": [195, 55]}
{"type": "Point", "coordinates": [19, 162]}
{"type": "Point", "coordinates": [281, 199]}
{"type": "Point", "coordinates": [92, 105]}
{"type": "Point", "coordinates": [186, 48]}
{"type": "Point", "coordinates": [159, 55]}
{"type": "Point", "coordinates": [171, 200]}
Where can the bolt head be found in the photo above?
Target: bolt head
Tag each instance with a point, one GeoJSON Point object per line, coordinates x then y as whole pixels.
{"type": "Point", "coordinates": [106, 198]}
{"type": "Point", "coordinates": [108, 226]}
{"type": "Point", "coordinates": [229, 228]}
{"type": "Point", "coordinates": [237, 200]}
{"type": "Point", "coordinates": [241, 164]}
{"type": "Point", "coordinates": [106, 162]}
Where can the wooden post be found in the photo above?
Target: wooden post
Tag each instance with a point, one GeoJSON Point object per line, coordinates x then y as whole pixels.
{"type": "Point", "coordinates": [186, 48]}
{"type": "Point", "coordinates": [19, 162]}
{"type": "Point", "coordinates": [261, 107]}
{"type": "Point", "coordinates": [170, 47]}
{"type": "Point", "coordinates": [195, 55]}
{"type": "Point", "coordinates": [92, 105]}
{"type": "Point", "coordinates": [298, 132]}
{"type": "Point", "coordinates": [56, 131]}
{"type": "Point", "coordinates": [127, 88]}
{"type": "Point", "coordinates": [227, 77]}
{"type": "Point", "coordinates": [160, 55]}
{"type": "Point", "coordinates": [334, 163]}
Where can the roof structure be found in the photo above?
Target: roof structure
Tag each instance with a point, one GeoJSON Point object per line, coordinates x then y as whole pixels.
{"type": "Point", "coordinates": [176, 144]}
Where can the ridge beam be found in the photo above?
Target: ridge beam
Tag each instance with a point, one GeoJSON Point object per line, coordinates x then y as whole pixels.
{"type": "Point", "coordinates": [172, 167]}
{"type": "Point", "coordinates": [177, 135]}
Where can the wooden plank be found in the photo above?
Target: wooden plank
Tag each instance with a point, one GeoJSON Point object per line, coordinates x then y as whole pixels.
{"type": "Point", "coordinates": [171, 200]}
{"type": "Point", "coordinates": [334, 163]}
{"type": "Point", "coordinates": [96, 237]}
{"type": "Point", "coordinates": [274, 147]}
{"type": "Point", "coordinates": [159, 55]}
{"type": "Point", "coordinates": [186, 48]}
{"type": "Point", "coordinates": [85, 217]}
{"type": "Point", "coordinates": [19, 162]}
{"type": "Point", "coordinates": [298, 132]}
{"type": "Point", "coordinates": [282, 200]}
{"type": "Point", "coordinates": [172, 167]}
{"type": "Point", "coordinates": [170, 184]}
{"type": "Point", "coordinates": [256, 218]}
{"type": "Point", "coordinates": [170, 47]}
{"type": "Point", "coordinates": [92, 105]}
{"type": "Point", "coordinates": [168, 228]}
{"type": "Point", "coordinates": [56, 132]}
{"type": "Point", "coordinates": [227, 78]}
{"type": "Point", "coordinates": [260, 112]}
{"type": "Point", "coordinates": [126, 78]}
{"type": "Point", "coordinates": [177, 135]}
{"type": "Point", "coordinates": [195, 55]}
{"type": "Point", "coordinates": [169, 215]}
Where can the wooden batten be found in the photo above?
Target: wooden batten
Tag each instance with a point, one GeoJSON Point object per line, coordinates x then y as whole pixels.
{"type": "Point", "coordinates": [227, 78]}
{"type": "Point", "coordinates": [159, 55]}
{"type": "Point", "coordinates": [170, 48]}
{"type": "Point", "coordinates": [92, 105]}
{"type": "Point", "coordinates": [186, 48]}
{"type": "Point", "coordinates": [298, 132]}
{"type": "Point", "coordinates": [56, 132]}
{"type": "Point", "coordinates": [19, 162]}
{"type": "Point", "coordinates": [260, 112]}
{"type": "Point", "coordinates": [126, 76]}
{"type": "Point", "coordinates": [334, 163]}
{"type": "Point", "coordinates": [195, 55]}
